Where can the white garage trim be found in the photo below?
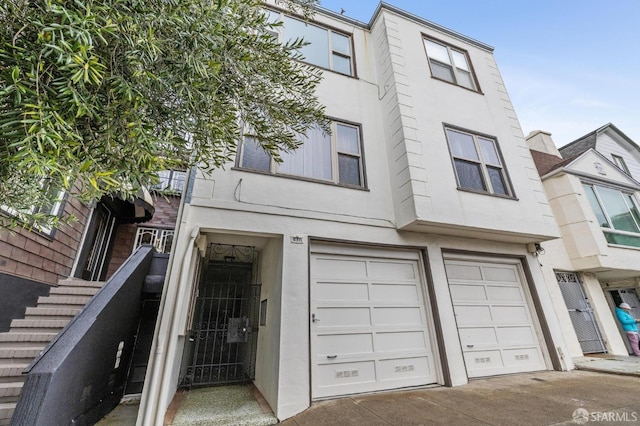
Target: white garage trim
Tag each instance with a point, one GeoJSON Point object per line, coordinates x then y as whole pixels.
{"type": "Point", "coordinates": [369, 325]}
{"type": "Point", "coordinates": [494, 315]}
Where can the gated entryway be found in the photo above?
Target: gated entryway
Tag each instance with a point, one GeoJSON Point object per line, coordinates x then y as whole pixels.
{"type": "Point", "coordinates": [580, 312]}
{"type": "Point", "coordinates": [223, 340]}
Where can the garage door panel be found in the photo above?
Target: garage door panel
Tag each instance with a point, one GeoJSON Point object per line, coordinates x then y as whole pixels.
{"type": "Point", "coordinates": [404, 368]}
{"type": "Point", "coordinates": [344, 344]}
{"type": "Point", "coordinates": [479, 362]}
{"type": "Point", "coordinates": [401, 341]}
{"type": "Point", "coordinates": [504, 293]}
{"type": "Point", "coordinates": [516, 335]}
{"type": "Point", "coordinates": [346, 373]}
{"type": "Point", "coordinates": [478, 336]}
{"type": "Point", "coordinates": [395, 270]}
{"type": "Point", "coordinates": [471, 314]}
{"type": "Point", "coordinates": [344, 268]}
{"type": "Point", "coordinates": [497, 273]}
{"type": "Point", "coordinates": [346, 291]}
{"type": "Point", "coordinates": [524, 357]}
{"type": "Point", "coordinates": [510, 314]}
{"type": "Point", "coordinates": [343, 317]}
{"type": "Point", "coordinates": [467, 292]}
{"type": "Point", "coordinates": [457, 271]}
{"type": "Point", "coordinates": [391, 316]}
{"type": "Point", "coordinates": [394, 292]}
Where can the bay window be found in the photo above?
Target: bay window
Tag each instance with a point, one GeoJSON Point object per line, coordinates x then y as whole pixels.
{"type": "Point", "coordinates": [616, 212]}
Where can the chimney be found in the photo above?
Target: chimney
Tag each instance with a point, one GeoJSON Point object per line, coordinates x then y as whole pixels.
{"type": "Point", "coordinates": [539, 140]}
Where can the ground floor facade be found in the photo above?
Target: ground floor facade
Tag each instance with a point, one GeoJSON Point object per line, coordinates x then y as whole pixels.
{"type": "Point", "coordinates": [310, 309]}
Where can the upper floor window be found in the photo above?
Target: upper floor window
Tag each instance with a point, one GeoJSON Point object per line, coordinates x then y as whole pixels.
{"type": "Point", "coordinates": [450, 64]}
{"type": "Point", "coordinates": [619, 161]}
{"type": "Point", "coordinates": [171, 181]}
{"type": "Point", "coordinates": [335, 158]}
{"type": "Point", "coordinates": [478, 163]}
{"type": "Point", "coordinates": [51, 207]}
{"type": "Point", "coordinates": [616, 212]}
{"type": "Point", "coordinates": [326, 48]}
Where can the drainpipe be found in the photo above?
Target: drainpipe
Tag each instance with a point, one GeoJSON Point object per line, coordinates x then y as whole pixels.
{"type": "Point", "coordinates": [166, 326]}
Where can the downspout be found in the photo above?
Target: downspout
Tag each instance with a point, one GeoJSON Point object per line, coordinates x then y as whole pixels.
{"type": "Point", "coordinates": [167, 318]}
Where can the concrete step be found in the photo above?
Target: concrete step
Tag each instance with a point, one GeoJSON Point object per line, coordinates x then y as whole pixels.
{"type": "Point", "coordinates": [45, 312]}
{"type": "Point", "coordinates": [29, 324]}
{"type": "Point", "coordinates": [73, 291]}
{"type": "Point", "coordinates": [18, 337]}
{"type": "Point", "coordinates": [61, 300]}
{"type": "Point", "coordinates": [20, 353]}
{"type": "Point", "coordinates": [6, 411]}
{"type": "Point", "coordinates": [10, 389]}
{"type": "Point", "coordinates": [10, 371]}
{"type": "Point", "coordinates": [77, 282]}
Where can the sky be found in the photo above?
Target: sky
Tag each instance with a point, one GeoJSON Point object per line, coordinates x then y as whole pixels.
{"type": "Point", "coordinates": [570, 66]}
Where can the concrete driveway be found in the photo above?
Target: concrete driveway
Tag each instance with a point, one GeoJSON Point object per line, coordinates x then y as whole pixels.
{"type": "Point", "coordinates": [541, 398]}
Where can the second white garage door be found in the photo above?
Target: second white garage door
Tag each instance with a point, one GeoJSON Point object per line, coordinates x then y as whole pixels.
{"type": "Point", "coordinates": [497, 331]}
{"type": "Point", "coordinates": [369, 327]}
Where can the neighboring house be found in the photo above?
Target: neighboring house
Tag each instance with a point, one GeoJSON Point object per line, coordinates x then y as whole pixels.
{"type": "Point", "coordinates": [592, 186]}
{"type": "Point", "coordinates": [399, 251]}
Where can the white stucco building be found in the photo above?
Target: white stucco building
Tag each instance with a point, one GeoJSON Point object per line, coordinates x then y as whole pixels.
{"type": "Point", "coordinates": [592, 186]}
{"type": "Point", "coordinates": [395, 253]}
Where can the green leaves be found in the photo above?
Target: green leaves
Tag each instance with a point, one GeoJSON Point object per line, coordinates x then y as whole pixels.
{"type": "Point", "coordinates": [100, 95]}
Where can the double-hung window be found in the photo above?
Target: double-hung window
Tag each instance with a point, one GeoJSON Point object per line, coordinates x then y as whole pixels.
{"type": "Point", "coordinates": [52, 206]}
{"type": "Point", "coordinates": [325, 48]}
{"type": "Point", "coordinates": [478, 163]}
{"type": "Point", "coordinates": [450, 64]}
{"type": "Point", "coordinates": [619, 161]}
{"type": "Point", "coordinates": [616, 212]}
{"type": "Point", "coordinates": [334, 158]}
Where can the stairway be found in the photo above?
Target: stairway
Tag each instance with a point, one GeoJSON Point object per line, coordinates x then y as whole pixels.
{"type": "Point", "coordinates": [29, 336]}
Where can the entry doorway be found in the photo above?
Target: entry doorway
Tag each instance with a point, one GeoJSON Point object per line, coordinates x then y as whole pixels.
{"type": "Point", "coordinates": [581, 314]}
{"type": "Point", "coordinates": [222, 343]}
{"type": "Point", "coordinates": [630, 296]}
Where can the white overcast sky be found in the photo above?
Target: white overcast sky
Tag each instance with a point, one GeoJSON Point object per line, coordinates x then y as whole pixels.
{"type": "Point", "coordinates": [570, 66]}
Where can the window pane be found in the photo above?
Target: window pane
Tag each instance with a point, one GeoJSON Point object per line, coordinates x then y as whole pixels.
{"type": "Point", "coordinates": [595, 205]}
{"type": "Point", "coordinates": [253, 156]}
{"type": "Point", "coordinates": [443, 72]}
{"type": "Point", "coordinates": [437, 52]}
{"type": "Point", "coordinates": [312, 159]}
{"type": "Point", "coordinates": [617, 209]}
{"type": "Point", "coordinates": [469, 175]}
{"type": "Point", "coordinates": [341, 44]}
{"type": "Point", "coordinates": [497, 181]}
{"type": "Point", "coordinates": [460, 60]}
{"type": "Point", "coordinates": [341, 64]}
{"type": "Point", "coordinates": [462, 145]}
{"type": "Point", "coordinates": [317, 51]}
{"type": "Point", "coordinates": [348, 140]}
{"type": "Point", "coordinates": [349, 170]}
{"type": "Point", "coordinates": [625, 240]}
{"type": "Point", "coordinates": [489, 153]}
{"type": "Point", "coordinates": [465, 80]}
{"type": "Point", "coordinates": [633, 208]}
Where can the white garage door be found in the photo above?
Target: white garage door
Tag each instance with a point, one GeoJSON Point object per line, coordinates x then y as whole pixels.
{"type": "Point", "coordinates": [497, 331]}
{"type": "Point", "coordinates": [368, 323]}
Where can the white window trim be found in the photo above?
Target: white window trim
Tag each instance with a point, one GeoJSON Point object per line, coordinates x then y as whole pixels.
{"type": "Point", "coordinates": [603, 208]}
{"type": "Point", "coordinates": [450, 48]}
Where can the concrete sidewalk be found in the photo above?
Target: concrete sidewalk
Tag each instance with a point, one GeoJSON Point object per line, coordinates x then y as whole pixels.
{"type": "Point", "coordinates": [542, 398]}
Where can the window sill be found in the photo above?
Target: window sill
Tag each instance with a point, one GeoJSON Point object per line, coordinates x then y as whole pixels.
{"type": "Point", "coordinates": [301, 178]}
{"type": "Point", "coordinates": [472, 191]}
{"type": "Point", "coordinates": [458, 85]}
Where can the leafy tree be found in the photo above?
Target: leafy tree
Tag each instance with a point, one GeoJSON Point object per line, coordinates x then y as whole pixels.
{"type": "Point", "coordinates": [97, 96]}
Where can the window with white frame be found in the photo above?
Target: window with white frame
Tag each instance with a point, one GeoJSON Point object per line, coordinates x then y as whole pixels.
{"type": "Point", "coordinates": [170, 181]}
{"type": "Point", "coordinates": [478, 163]}
{"type": "Point", "coordinates": [335, 158]}
{"type": "Point", "coordinates": [52, 207]}
{"type": "Point", "coordinates": [325, 48]}
{"type": "Point", "coordinates": [619, 161]}
{"type": "Point", "coordinates": [450, 64]}
{"type": "Point", "coordinates": [160, 239]}
{"type": "Point", "coordinates": [617, 213]}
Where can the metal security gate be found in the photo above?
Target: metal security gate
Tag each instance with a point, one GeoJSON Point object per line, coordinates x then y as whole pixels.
{"type": "Point", "coordinates": [225, 329]}
{"type": "Point", "coordinates": [584, 322]}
